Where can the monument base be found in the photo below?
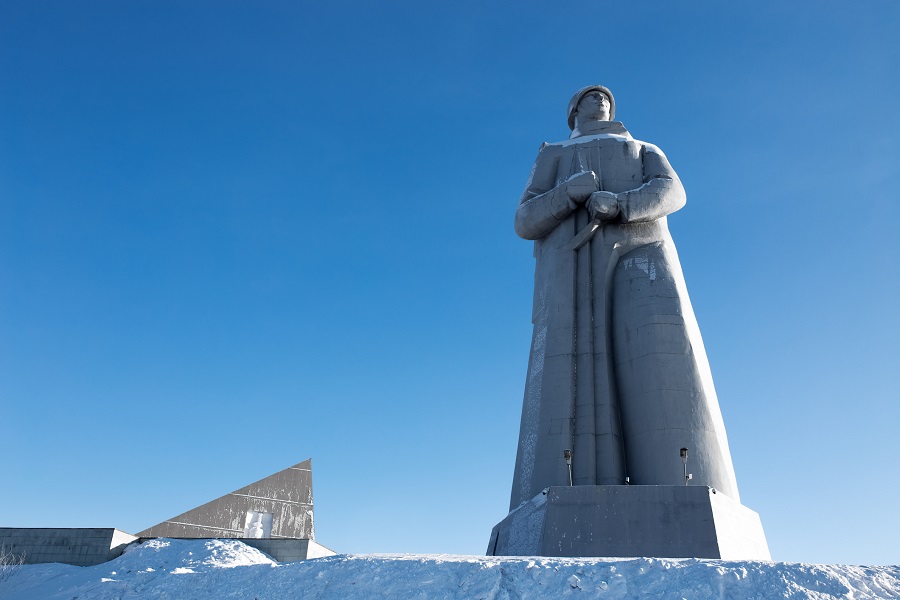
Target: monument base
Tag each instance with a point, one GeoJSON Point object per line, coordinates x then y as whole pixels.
{"type": "Point", "coordinates": [631, 520]}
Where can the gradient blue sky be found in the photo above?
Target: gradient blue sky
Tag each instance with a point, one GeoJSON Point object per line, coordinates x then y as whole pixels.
{"type": "Point", "coordinates": [236, 235]}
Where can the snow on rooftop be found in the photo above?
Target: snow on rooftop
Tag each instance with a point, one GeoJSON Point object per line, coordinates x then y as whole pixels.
{"type": "Point", "coordinates": [201, 569]}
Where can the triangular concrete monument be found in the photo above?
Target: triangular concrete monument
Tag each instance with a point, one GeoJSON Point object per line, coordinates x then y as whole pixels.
{"type": "Point", "coordinates": [277, 506]}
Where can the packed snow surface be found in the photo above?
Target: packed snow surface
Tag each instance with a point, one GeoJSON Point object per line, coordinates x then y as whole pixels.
{"type": "Point", "coordinates": [197, 569]}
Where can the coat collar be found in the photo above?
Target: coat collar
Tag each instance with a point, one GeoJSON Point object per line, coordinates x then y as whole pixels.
{"type": "Point", "coordinates": [600, 127]}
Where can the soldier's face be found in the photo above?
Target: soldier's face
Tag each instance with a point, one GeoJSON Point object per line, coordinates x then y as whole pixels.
{"type": "Point", "coordinates": [593, 106]}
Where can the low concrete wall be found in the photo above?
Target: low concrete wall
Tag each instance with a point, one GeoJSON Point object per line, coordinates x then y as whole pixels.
{"type": "Point", "coordinates": [82, 547]}
{"type": "Point", "coordinates": [289, 550]}
{"type": "Point", "coordinates": [282, 550]}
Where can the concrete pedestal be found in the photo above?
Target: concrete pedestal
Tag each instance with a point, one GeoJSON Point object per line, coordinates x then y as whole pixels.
{"type": "Point", "coordinates": [624, 521]}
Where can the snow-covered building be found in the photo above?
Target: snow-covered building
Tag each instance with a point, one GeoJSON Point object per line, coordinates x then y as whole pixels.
{"type": "Point", "coordinates": [274, 515]}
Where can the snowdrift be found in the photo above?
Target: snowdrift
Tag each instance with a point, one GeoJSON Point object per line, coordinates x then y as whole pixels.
{"type": "Point", "coordinates": [199, 569]}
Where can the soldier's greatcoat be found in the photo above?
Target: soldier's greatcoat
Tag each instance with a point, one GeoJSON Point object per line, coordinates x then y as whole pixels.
{"type": "Point", "coordinates": [617, 371]}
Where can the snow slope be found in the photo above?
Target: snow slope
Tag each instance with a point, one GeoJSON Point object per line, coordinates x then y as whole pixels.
{"type": "Point", "coordinates": [198, 569]}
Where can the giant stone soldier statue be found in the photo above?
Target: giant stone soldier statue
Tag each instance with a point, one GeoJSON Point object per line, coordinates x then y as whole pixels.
{"type": "Point", "coordinates": [617, 375]}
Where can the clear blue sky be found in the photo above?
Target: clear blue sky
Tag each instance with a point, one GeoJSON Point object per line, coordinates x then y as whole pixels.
{"type": "Point", "coordinates": [235, 235]}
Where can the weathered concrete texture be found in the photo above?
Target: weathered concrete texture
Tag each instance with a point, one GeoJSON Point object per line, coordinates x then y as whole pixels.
{"type": "Point", "coordinates": [287, 496]}
{"type": "Point", "coordinates": [623, 521]}
{"type": "Point", "coordinates": [82, 547]}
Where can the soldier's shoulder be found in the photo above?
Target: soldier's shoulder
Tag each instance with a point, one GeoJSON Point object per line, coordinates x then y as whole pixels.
{"type": "Point", "coordinates": [652, 148]}
{"type": "Point", "coordinates": [548, 150]}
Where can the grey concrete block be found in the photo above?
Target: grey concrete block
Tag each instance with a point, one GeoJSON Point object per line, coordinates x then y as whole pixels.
{"type": "Point", "coordinates": [80, 547]}
{"type": "Point", "coordinates": [626, 521]}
